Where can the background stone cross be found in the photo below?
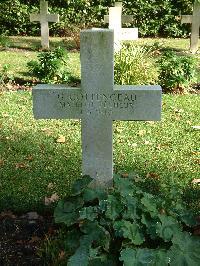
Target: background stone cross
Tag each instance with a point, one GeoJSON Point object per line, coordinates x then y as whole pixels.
{"type": "Point", "coordinates": [115, 20]}
{"type": "Point", "coordinates": [97, 103]}
{"type": "Point", "coordinates": [44, 18]}
{"type": "Point", "coordinates": [195, 21]}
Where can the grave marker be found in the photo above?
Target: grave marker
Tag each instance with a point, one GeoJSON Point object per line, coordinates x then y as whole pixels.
{"type": "Point", "coordinates": [115, 20]}
{"type": "Point", "coordinates": [97, 103]}
{"type": "Point", "coordinates": [44, 18]}
{"type": "Point", "coordinates": [193, 19]}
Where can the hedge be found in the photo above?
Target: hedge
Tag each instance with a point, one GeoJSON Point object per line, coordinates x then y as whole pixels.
{"type": "Point", "coordinates": [152, 17]}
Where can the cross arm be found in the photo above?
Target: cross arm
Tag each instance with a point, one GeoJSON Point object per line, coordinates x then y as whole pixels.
{"type": "Point", "coordinates": [52, 17]}
{"type": "Point", "coordinates": [34, 17]}
{"type": "Point", "coordinates": [125, 19]}
{"type": "Point", "coordinates": [56, 102]}
{"type": "Point", "coordinates": [137, 103]}
{"type": "Point", "coordinates": [186, 19]}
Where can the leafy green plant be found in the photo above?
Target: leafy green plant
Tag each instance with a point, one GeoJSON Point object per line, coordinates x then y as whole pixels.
{"type": "Point", "coordinates": [177, 73]}
{"type": "Point", "coordinates": [51, 66]}
{"type": "Point", "coordinates": [135, 65]}
{"type": "Point", "coordinates": [124, 223]}
{"type": "Point", "coordinates": [5, 74]}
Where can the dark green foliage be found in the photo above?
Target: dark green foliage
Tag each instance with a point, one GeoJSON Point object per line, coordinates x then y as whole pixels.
{"type": "Point", "coordinates": [153, 17]}
{"type": "Point", "coordinates": [125, 225]}
{"type": "Point", "coordinates": [51, 66]}
{"type": "Point", "coordinates": [176, 72]}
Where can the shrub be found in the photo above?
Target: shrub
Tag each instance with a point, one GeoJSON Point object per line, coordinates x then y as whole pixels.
{"type": "Point", "coordinates": [135, 65]}
{"type": "Point", "coordinates": [5, 75]}
{"type": "Point", "coordinates": [177, 73]}
{"type": "Point", "coordinates": [51, 66]}
{"type": "Point", "coordinates": [125, 223]}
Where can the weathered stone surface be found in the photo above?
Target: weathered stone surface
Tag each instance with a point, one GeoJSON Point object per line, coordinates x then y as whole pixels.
{"type": "Point", "coordinates": [44, 18]}
{"type": "Point", "coordinates": [115, 20]}
{"type": "Point", "coordinates": [97, 103]}
{"type": "Point", "coordinates": [195, 21]}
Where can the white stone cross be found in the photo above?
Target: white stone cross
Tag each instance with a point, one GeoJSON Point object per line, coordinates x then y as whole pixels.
{"type": "Point", "coordinates": [44, 18]}
{"type": "Point", "coordinates": [115, 20]}
{"type": "Point", "coordinates": [97, 103]}
{"type": "Point", "coordinates": [195, 21]}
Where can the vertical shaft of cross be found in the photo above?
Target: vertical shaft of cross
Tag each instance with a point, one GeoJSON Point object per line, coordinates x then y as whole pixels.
{"type": "Point", "coordinates": [195, 27]}
{"type": "Point", "coordinates": [115, 23]}
{"type": "Point", "coordinates": [97, 78]}
{"type": "Point", "coordinates": [44, 24]}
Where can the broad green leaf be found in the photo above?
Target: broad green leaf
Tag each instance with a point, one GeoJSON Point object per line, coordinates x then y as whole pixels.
{"type": "Point", "coordinates": [161, 258]}
{"type": "Point", "coordinates": [149, 204]}
{"type": "Point", "coordinates": [80, 184]}
{"type": "Point", "coordinates": [185, 250]}
{"type": "Point", "coordinates": [91, 194]}
{"type": "Point", "coordinates": [130, 231]}
{"type": "Point", "coordinates": [72, 240]}
{"type": "Point", "coordinates": [123, 185]}
{"type": "Point", "coordinates": [150, 224]}
{"type": "Point", "coordinates": [67, 211]}
{"type": "Point", "coordinates": [81, 256]}
{"type": "Point", "coordinates": [137, 257]}
{"type": "Point", "coordinates": [89, 213]}
{"type": "Point", "coordinates": [167, 227]}
{"type": "Point", "coordinates": [130, 211]}
{"type": "Point", "coordinates": [114, 207]}
{"type": "Point", "coordinates": [96, 233]}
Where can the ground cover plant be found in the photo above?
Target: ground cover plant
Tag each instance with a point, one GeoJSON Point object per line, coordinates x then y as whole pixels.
{"type": "Point", "coordinates": [125, 225]}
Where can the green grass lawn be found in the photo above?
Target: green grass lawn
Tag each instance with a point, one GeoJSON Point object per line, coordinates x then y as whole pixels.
{"type": "Point", "coordinates": [34, 166]}
{"type": "Point", "coordinates": [17, 51]}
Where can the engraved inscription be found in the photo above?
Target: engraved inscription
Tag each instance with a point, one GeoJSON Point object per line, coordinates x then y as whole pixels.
{"type": "Point", "coordinates": [97, 103]}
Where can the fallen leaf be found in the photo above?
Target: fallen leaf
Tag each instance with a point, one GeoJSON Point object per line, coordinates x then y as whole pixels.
{"type": "Point", "coordinates": [142, 132]}
{"type": "Point", "coordinates": [29, 158]}
{"type": "Point", "coordinates": [34, 239]}
{"type": "Point", "coordinates": [61, 255]}
{"type": "Point", "coordinates": [61, 139]}
{"type": "Point", "coordinates": [1, 162]}
{"type": "Point", "coordinates": [53, 198]}
{"type": "Point", "coordinates": [50, 185]}
{"type": "Point", "coordinates": [196, 127]}
{"type": "Point", "coordinates": [124, 175]}
{"type": "Point", "coordinates": [196, 181]}
{"type": "Point", "coordinates": [20, 166]}
{"type": "Point", "coordinates": [152, 175]}
{"type": "Point", "coordinates": [7, 214]}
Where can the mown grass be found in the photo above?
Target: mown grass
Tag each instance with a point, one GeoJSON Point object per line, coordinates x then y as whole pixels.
{"type": "Point", "coordinates": [20, 50]}
{"type": "Point", "coordinates": [34, 166]}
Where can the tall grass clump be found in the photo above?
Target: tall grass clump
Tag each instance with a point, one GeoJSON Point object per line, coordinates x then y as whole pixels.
{"type": "Point", "coordinates": [135, 65]}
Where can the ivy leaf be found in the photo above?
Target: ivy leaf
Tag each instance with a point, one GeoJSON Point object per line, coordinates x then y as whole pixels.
{"type": "Point", "coordinates": [114, 207]}
{"type": "Point", "coordinates": [80, 184]}
{"type": "Point", "coordinates": [137, 257]}
{"type": "Point", "coordinates": [89, 213]}
{"type": "Point", "coordinates": [149, 203]}
{"type": "Point", "coordinates": [130, 231]}
{"type": "Point", "coordinates": [185, 250]}
{"type": "Point", "coordinates": [167, 227]}
{"type": "Point", "coordinates": [67, 211]}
